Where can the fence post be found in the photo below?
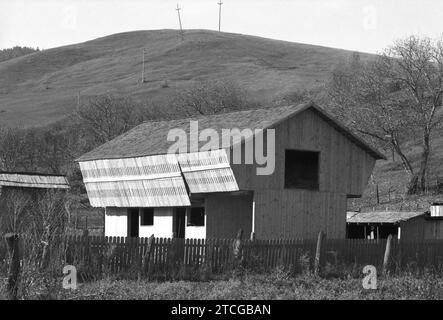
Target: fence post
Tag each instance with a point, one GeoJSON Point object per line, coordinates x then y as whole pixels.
{"type": "Point", "coordinates": [238, 249]}
{"type": "Point", "coordinates": [147, 256]}
{"type": "Point", "coordinates": [12, 241]}
{"type": "Point", "coordinates": [238, 245]}
{"type": "Point", "coordinates": [387, 254]}
{"type": "Point", "coordinates": [318, 253]}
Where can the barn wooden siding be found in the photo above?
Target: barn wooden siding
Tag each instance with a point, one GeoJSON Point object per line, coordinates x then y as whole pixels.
{"type": "Point", "coordinates": [227, 213]}
{"type": "Point", "coordinates": [421, 228]}
{"type": "Point", "coordinates": [344, 170]}
{"type": "Point", "coordinates": [299, 214]}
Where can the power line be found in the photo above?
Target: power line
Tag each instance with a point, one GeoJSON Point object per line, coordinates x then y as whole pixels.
{"type": "Point", "coordinates": [219, 15]}
{"type": "Point", "coordinates": [180, 22]}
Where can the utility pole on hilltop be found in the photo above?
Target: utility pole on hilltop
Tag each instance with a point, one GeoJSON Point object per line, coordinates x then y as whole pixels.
{"type": "Point", "coordinates": [78, 99]}
{"type": "Point", "coordinates": [180, 22]}
{"type": "Point", "coordinates": [219, 15]}
{"type": "Point", "coordinates": [143, 65]}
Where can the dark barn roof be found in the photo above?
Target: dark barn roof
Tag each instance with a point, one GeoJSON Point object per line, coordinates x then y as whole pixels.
{"type": "Point", "coordinates": [149, 138]}
{"type": "Point", "coordinates": [33, 180]}
{"type": "Point", "coordinates": [381, 216]}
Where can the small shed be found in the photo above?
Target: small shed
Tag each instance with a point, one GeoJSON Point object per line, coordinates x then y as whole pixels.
{"type": "Point", "coordinates": [30, 184]}
{"type": "Point", "coordinates": [21, 191]}
{"type": "Point", "coordinates": [379, 224]}
{"type": "Point", "coordinates": [426, 227]}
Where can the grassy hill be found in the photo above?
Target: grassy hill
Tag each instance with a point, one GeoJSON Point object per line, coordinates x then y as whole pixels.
{"type": "Point", "coordinates": [43, 87]}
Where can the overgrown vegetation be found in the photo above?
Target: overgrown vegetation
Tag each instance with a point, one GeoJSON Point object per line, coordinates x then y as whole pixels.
{"type": "Point", "coordinates": [40, 218]}
{"type": "Point", "coordinates": [279, 284]}
{"type": "Point", "coordinates": [213, 97]}
{"type": "Point", "coordinates": [266, 287]}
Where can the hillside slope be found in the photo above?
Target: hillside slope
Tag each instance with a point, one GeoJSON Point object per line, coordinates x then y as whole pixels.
{"type": "Point", "coordinates": [43, 87]}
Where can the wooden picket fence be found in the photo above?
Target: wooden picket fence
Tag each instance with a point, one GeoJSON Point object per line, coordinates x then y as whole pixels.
{"type": "Point", "coordinates": [97, 256]}
{"type": "Point", "coordinates": [116, 255]}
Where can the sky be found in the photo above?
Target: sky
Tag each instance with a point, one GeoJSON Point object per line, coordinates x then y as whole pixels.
{"type": "Point", "coordinates": [360, 25]}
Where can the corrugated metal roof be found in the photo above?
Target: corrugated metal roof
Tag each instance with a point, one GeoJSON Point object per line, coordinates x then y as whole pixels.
{"type": "Point", "coordinates": [153, 181]}
{"type": "Point", "coordinates": [167, 192]}
{"type": "Point", "coordinates": [33, 180]}
{"type": "Point", "coordinates": [156, 181]}
{"type": "Point", "coordinates": [381, 216]}
{"type": "Point", "coordinates": [208, 171]}
{"type": "Point", "coordinates": [150, 138]}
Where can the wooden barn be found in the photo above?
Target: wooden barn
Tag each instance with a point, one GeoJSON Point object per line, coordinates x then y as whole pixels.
{"type": "Point", "coordinates": [145, 189]}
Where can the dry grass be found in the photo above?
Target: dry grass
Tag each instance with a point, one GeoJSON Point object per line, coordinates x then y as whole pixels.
{"type": "Point", "coordinates": [274, 286]}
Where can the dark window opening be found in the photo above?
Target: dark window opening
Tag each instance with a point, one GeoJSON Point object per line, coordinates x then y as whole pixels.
{"type": "Point", "coordinates": [133, 226]}
{"type": "Point", "coordinates": [147, 217]}
{"type": "Point", "coordinates": [196, 217]}
{"type": "Point", "coordinates": [178, 222]}
{"type": "Point", "coordinates": [301, 169]}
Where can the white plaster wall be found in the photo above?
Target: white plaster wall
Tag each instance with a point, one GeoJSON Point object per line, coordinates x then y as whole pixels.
{"type": "Point", "coordinates": [195, 232]}
{"type": "Point", "coordinates": [162, 227]}
{"type": "Point", "coordinates": [116, 222]}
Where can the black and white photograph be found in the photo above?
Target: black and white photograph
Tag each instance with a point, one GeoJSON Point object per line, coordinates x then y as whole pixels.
{"type": "Point", "coordinates": [216, 156]}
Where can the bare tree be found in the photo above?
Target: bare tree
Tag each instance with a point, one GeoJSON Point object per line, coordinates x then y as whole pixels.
{"type": "Point", "coordinates": [210, 97]}
{"type": "Point", "coordinates": [105, 117]}
{"type": "Point", "coordinates": [394, 97]}
{"type": "Point", "coordinates": [15, 205]}
{"type": "Point", "coordinates": [49, 215]}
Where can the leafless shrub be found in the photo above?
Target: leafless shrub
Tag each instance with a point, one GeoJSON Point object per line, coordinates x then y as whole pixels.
{"type": "Point", "coordinates": [40, 220]}
{"type": "Point", "coordinates": [211, 97]}
{"type": "Point", "coordinates": [16, 205]}
{"type": "Point", "coordinates": [105, 117]}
